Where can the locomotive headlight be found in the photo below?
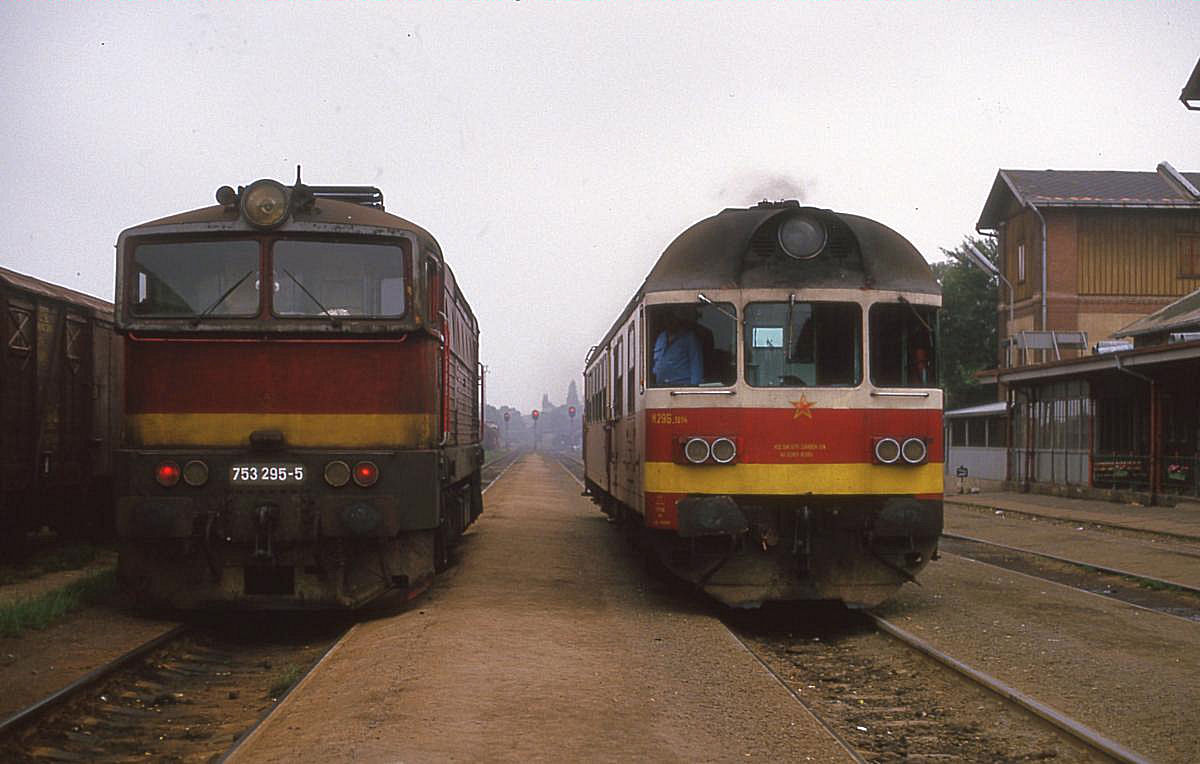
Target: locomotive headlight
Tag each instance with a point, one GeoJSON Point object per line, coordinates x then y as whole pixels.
{"type": "Point", "coordinates": [337, 473]}
{"type": "Point", "coordinates": [696, 450]}
{"type": "Point", "coordinates": [265, 203]}
{"type": "Point", "coordinates": [167, 474]}
{"type": "Point", "coordinates": [914, 450]}
{"type": "Point", "coordinates": [887, 450]}
{"type": "Point", "coordinates": [366, 473]}
{"type": "Point", "coordinates": [195, 473]}
{"type": "Point", "coordinates": [802, 237]}
{"type": "Point", "coordinates": [723, 450]}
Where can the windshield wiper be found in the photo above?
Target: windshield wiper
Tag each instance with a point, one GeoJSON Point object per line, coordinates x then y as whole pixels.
{"type": "Point", "coordinates": [787, 332]}
{"type": "Point", "coordinates": [224, 295]}
{"type": "Point", "coordinates": [720, 308]}
{"type": "Point", "coordinates": [332, 320]}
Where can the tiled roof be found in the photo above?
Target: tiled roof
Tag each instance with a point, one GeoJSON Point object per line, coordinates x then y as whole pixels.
{"type": "Point", "coordinates": [1014, 189]}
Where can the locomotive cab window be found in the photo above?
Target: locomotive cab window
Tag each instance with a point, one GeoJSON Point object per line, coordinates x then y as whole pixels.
{"type": "Point", "coordinates": [186, 279]}
{"type": "Point", "coordinates": [695, 345]}
{"type": "Point", "coordinates": [903, 345]}
{"type": "Point", "coordinates": [339, 278]}
{"type": "Point", "coordinates": [796, 344]}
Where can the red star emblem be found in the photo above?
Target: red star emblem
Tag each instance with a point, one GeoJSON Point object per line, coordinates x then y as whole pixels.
{"type": "Point", "coordinates": [802, 408]}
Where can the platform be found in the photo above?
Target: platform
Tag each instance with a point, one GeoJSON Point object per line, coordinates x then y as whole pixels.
{"type": "Point", "coordinates": [1182, 520]}
{"type": "Point", "coordinates": [546, 641]}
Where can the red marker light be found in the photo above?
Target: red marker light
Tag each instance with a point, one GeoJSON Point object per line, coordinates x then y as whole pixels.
{"type": "Point", "coordinates": [571, 411]}
{"type": "Point", "coordinates": [535, 414]}
{"type": "Point", "coordinates": [167, 474]}
{"type": "Point", "coordinates": [366, 473]}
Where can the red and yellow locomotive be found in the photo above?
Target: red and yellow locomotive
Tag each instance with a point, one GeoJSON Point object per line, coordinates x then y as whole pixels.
{"type": "Point", "coordinates": [766, 414]}
{"type": "Point", "coordinates": [302, 402]}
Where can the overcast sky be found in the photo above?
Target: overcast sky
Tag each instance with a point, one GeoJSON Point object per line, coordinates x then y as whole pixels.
{"type": "Point", "coordinates": [555, 148]}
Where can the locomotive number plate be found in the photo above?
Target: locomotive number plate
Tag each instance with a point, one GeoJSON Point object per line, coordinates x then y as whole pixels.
{"type": "Point", "coordinates": [266, 474]}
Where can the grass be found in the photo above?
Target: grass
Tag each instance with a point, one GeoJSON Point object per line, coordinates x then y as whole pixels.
{"type": "Point", "coordinates": [1157, 586]}
{"type": "Point", "coordinates": [52, 560]}
{"type": "Point", "coordinates": [289, 677]}
{"type": "Point", "coordinates": [44, 611]}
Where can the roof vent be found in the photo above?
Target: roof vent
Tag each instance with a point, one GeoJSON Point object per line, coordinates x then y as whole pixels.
{"type": "Point", "coordinates": [781, 203]}
{"type": "Point", "coordinates": [368, 196]}
{"type": "Point", "coordinates": [1177, 181]}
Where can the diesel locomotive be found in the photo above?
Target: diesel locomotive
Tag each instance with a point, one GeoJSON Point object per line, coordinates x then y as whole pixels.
{"type": "Point", "coordinates": [302, 403]}
{"type": "Point", "coordinates": [765, 414]}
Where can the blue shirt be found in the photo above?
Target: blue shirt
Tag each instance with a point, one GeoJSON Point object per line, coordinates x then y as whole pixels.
{"type": "Point", "coordinates": [678, 360]}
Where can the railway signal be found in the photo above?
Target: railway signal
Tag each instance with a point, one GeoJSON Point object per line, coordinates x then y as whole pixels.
{"type": "Point", "coordinates": [571, 411]}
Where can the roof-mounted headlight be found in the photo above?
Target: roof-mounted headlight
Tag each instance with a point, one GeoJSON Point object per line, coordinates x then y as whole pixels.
{"type": "Point", "coordinates": [265, 203]}
{"type": "Point", "coordinates": [802, 237]}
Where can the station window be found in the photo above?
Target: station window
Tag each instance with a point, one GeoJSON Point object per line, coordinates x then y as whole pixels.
{"type": "Point", "coordinates": [795, 344]}
{"type": "Point", "coordinates": [958, 432]}
{"type": "Point", "coordinates": [695, 344]}
{"type": "Point", "coordinates": [903, 347]}
{"type": "Point", "coordinates": [1020, 263]}
{"type": "Point", "coordinates": [1189, 255]}
{"type": "Point", "coordinates": [997, 432]}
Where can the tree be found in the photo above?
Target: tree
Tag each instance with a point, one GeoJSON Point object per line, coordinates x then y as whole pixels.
{"type": "Point", "coordinates": [968, 324]}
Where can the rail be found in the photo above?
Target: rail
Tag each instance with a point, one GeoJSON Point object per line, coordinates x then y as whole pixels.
{"type": "Point", "coordinates": [1079, 563]}
{"type": "Point", "coordinates": [1075, 729]}
{"type": "Point", "coordinates": [92, 677]}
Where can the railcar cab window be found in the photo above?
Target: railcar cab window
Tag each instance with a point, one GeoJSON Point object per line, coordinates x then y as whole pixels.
{"type": "Point", "coordinates": [796, 344]}
{"type": "Point", "coordinates": [186, 279]}
{"type": "Point", "coordinates": [338, 278]}
{"type": "Point", "coordinates": [694, 344]}
{"type": "Point", "coordinates": [903, 345]}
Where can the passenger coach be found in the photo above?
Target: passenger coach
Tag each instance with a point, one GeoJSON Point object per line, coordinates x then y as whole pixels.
{"type": "Point", "coordinates": [302, 402]}
{"type": "Point", "coordinates": [765, 412]}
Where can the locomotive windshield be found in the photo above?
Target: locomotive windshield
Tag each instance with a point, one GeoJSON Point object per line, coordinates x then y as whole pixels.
{"type": "Point", "coordinates": [903, 344]}
{"type": "Point", "coordinates": [196, 278]}
{"type": "Point", "coordinates": [794, 344]}
{"type": "Point", "coordinates": [693, 345]}
{"type": "Point", "coordinates": [339, 278]}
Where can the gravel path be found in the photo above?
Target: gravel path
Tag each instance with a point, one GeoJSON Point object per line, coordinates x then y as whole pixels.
{"type": "Point", "coordinates": [1128, 673]}
{"type": "Point", "coordinates": [545, 643]}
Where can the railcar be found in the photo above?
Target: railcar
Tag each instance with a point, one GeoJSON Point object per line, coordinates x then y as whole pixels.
{"type": "Point", "coordinates": [59, 368]}
{"type": "Point", "coordinates": [765, 415]}
{"type": "Point", "coordinates": [302, 403]}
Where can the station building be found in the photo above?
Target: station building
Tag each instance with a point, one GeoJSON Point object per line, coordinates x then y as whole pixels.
{"type": "Point", "coordinates": [1099, 351]}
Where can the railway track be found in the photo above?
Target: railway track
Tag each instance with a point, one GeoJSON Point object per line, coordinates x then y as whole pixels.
{"type": "Point", "coordinates": [871, 684]}
{"type": "Point", "coordinates": [189, 694]}
{"type": "Point", "coordinates": [1138, 589]}
{"type": "Point", "coordinates": [888, 696]}
{"type": "Point", "coordinates": [193, 693]}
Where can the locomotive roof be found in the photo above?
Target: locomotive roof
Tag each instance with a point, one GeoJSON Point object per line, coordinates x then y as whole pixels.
{"type": "Point", "coordinates": [46, 289]}
{"type": "Point", "coordinates": [330, 211]}
{"type": "Point", "coordinates": [736, 249]}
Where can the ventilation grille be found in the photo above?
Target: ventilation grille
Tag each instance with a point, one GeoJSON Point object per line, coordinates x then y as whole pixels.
{"type": "Point", "coordinates": [841, 241]}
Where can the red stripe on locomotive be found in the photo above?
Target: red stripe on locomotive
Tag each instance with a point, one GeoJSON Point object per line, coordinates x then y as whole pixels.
{"type": "Point", "coordinates": [782, 436]}
{"type": "Point", "coordinates": [281, 376]}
